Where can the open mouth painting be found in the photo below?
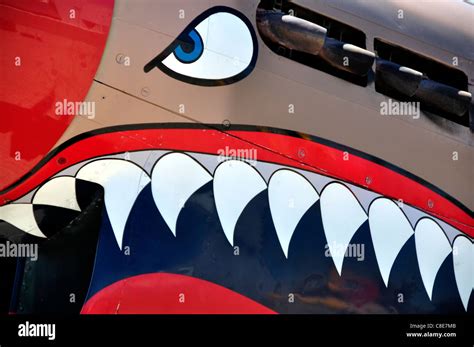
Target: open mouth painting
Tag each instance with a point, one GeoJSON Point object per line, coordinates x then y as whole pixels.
{"type": "Point", "coordinates": [251, 221]}
{"type": "Point", "coordinates": [267, 157]}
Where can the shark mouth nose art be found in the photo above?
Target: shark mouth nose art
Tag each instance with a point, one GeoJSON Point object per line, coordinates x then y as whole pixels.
{"type": "Point", "coordinates": [189, 210]}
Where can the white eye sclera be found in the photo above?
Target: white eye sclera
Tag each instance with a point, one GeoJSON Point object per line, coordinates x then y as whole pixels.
{"type": "Point", "coordinates": [219, 47]}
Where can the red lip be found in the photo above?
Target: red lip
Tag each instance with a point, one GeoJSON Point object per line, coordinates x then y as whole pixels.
{"type": "Point", "coordinates": [273, 147]}
{"type": "Point", "coordinates": [164, 293]}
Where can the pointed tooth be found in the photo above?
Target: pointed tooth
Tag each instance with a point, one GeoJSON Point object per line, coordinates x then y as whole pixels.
{"type": "Point", "coordinates": [175, 178]}
{"type": "Point", "coordinates": [432, 248]}
{"type": "Point", "coordinates": [236, 183]}
{"type": "Point", "coordinates": [463, 263]}
{"type": "Point", "coordinates": [59, 192]}
{"type": "Point", "coordinates": [290, 195]}
{"type": "Point", "coordinates": [22, 217]}
{"type": "Point", "coordinates": [122, 181]}
{"type": "Point", "coordinates": [342, 216]}
{"type": "Point", "coordinates": [390, 230]}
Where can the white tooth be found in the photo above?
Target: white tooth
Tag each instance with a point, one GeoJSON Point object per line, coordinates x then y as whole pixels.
{"type": "Point", "coordinates": [22, 217]}
{"type": "Point", "coordinates": [175, 178]}
{"type": "Point", "coordinates": [463, 262]}
{"type": "Point", "coordinates": [290, 195]}
{"type": "Point", "coordinates": [122, 181]}
{"type": "Point", "coordinates": [235, 184]}
{"type": "Point", "coordinates": [432, 248]}
{"type": "Point", "coordinates": [390, 230]}
{"type": "Point", "coordinates": [342, 216]}
{"type": "Point", "coordinates": [59, 191]}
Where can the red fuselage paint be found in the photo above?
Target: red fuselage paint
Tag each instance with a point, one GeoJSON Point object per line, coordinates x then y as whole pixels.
{"type": "Point", "coordinates": [50, 53]}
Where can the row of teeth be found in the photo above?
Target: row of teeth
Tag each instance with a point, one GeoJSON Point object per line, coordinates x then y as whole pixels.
{"type": "Point", "coordinates": [176, 176]}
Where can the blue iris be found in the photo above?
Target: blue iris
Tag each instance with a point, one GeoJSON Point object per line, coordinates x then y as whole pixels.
{"type": "Point", "coordinates": [190, 49]}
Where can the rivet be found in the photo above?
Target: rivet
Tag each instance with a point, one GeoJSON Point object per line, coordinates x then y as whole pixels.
{"type": "Point", "coordinates": [120, 58]}
{"type": "Point", "coordinates": [226, 123]}
{"type": "Point", "coordinates": [301, 153]}
{"type": "Point", "coordinates": [145, 91]}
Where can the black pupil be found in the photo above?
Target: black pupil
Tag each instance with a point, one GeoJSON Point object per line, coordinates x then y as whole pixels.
{"type": "Point", "coordinates": [186, 43]}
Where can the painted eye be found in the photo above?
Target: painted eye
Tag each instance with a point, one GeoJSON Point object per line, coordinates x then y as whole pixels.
{"type": "Point", "coordinates": [219, 47]}
{"type": "Point", "coordinates": [190, 48]}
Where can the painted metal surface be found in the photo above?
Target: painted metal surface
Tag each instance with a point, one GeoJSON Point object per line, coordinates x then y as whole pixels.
{"type": "Point", "coordinates": [324, 105]}
{"type": "Point", "coordinates": [180, 207]}
{"type": "Point", "coordinates": [219, 47]}
{"type": "Point", "coordinates": [220, 200]}
{"type": "Point", "coordinates": [50, 52]}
